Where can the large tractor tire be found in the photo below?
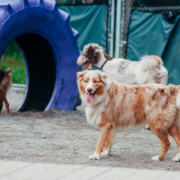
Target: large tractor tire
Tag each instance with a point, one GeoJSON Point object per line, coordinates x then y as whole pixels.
{"type": "Point", "coordinates": [50, 50]}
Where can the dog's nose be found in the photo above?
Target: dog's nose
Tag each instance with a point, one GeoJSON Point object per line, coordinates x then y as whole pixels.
{"type": "Point", "coordinates": [89, 90]}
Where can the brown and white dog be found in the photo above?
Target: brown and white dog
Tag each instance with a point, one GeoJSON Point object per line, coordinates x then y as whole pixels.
{"type": "Point", "coordinates": [5, 84]}
{"type": "Point", "coordinates": [112, 105]}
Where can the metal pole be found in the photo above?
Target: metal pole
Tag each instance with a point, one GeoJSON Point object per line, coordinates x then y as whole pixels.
{"type": "Point", "coordinates": [118, 29]}
{"type": "Point", "coordinates": [111, 34]}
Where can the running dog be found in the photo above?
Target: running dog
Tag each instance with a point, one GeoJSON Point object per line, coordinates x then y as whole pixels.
{"type": "Point", "coordinates": [111, 105]}
{"type": "Point", "coordinates": [5, 84]}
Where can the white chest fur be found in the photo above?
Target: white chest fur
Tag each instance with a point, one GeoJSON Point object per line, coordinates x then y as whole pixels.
{"type": "Point", "coordinates": [93, 115]}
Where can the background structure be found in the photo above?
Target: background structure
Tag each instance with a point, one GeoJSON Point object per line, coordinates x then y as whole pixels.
{"type": "Point", "coordinates": [149, 27]}
{"type": "Point", "coordinates": [124, 28]}
{"type": "Point", "coordinates": [93, 19]}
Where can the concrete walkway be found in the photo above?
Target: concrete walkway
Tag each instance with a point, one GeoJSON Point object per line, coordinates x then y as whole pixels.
{"type": "Point", "coordinates": [11, 170]}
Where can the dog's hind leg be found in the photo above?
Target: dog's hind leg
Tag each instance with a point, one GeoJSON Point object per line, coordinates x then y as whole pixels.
{"type": "Point", "coordinates": [147, 127]}
{"type": "Point", "coordinates": [105, 140]}
{"type": "Point", "coordinates": [163, 137]}
{"type": "Point", "coordinates": [7, 106]}
{"type": "Point", "coordinates": [175, 133]}
{"type": "Point", "coordinates": [1, 105]}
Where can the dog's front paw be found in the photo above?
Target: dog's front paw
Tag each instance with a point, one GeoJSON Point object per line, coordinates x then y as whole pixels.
{"type": "Point", "coordinates": [155, 158]}
{"type": "Point", "coordinates": [106, 152]}
{"type": "Point", "coordinates": [95, 156]}
{"type": "Point", "coordinates": [176, 158]}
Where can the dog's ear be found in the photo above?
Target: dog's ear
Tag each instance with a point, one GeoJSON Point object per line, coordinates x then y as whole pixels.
{"type": "Point", "coordinates": [93, 53]}
{"type": "Point", "coordinates": [9, 70]}
{"type": "Point", "coordinates": [81, 60]}
{"type": "Point", "coordinates": [102, 76]}
{"type": "Point", "coordinates": [80, 74]}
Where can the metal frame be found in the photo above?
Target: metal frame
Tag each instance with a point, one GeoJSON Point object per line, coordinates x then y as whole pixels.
{"type": "Point", "coordinates": [120, 13]}
{"type": "Point", "coordinates": [18, 87]}
{"type": "Point", "coordinates": [111, 27]}
{"type": "Point", "coordinates": [118, 29]}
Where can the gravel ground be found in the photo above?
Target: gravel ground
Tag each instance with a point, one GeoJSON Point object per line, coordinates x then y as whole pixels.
{"type": "Point", "coordinates": [58, 136]}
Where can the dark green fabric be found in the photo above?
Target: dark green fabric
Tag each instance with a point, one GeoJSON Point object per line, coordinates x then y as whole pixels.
{"type": "Point", "coordinates": [90, 21]}
{"type": "Point", "coordinates": [152, 34]}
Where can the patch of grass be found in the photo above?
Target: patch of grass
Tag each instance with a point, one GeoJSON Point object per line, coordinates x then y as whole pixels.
{"type": "Point", "coordinates": [13, 58]}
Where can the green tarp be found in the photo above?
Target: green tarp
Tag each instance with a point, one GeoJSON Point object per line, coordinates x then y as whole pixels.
{"type": "Point", "coordinates": [152, 34]}
{"type": "Point", "coordinates": [90, 21]}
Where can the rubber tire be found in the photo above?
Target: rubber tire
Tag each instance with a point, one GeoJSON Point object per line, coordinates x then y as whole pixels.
{"type": "Point", "coordinates": [50, 51]}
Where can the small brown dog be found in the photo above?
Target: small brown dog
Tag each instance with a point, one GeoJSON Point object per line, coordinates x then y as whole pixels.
{"type": "Point", "coordinates": [5, 84]}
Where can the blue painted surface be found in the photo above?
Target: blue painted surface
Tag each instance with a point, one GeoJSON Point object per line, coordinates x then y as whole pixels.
{"type": "Point", "coordinates": [43, 17]}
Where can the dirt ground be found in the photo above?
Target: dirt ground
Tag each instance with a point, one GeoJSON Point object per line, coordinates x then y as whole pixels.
{"type": "Point", "coordinates": [65, 137]}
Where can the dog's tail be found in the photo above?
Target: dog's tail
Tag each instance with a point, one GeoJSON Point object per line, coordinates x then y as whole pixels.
{"type": "Point", "coordinates": [9, 70]}
{"type": "Point", "coordinates": [151, 62]}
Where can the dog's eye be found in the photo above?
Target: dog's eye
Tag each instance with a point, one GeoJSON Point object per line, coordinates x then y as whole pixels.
{"type": "Point", "coordinates": [95, 81]}
{"type": "Point", "coordinates": [86, 81]}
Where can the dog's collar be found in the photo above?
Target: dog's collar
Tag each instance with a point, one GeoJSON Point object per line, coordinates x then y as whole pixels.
{"type": "Point", "coordinates": [105, 62]}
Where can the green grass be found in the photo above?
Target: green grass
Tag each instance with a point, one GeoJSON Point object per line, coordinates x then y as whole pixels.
{"type": "Point", "coordinates": [13, 58]}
